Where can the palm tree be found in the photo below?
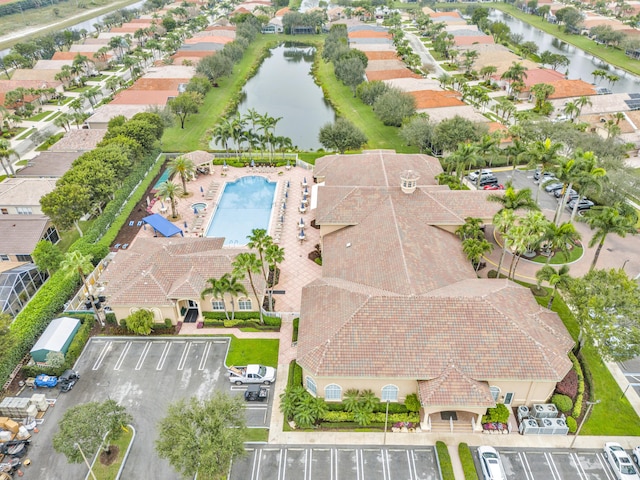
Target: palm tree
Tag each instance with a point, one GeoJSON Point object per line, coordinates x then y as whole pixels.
{"type": "Point", "coordinates": [582, 102]}
{"type": "Point", "coordinates": [543, 153]}
{"type": "Point", "coordinates": [246, 264]}
{"type": "Point", "coordinates": [475, 248]}
{"type": "Point", "coordinates": [605, 220]}
{"type": "Point", "coordinates": [515, 73]}
{"type": "Point", "coordinates": [170, 190]}
{"type": "Point", "coordinates": [6, 152]}
{"type": "Point", "coordinates": [184, 167]}
{"type": "Point", "coordinates": [217, 289]}
{"type": "Point", "coordinates": [260, 241]}
{"type": "Point", "coordinates": [589, 176]}
{"type": "Point", "coordinates": [235, 289]}
{"type": "Point", "coordinates": [268, 125]}
{"type": "Point", "coordinates": [560, 237]}
{"type": "Point", "coordinates": [221, 133]}
{"type": "Point", "coordinates": [237, 132]}
{"type": "Point", "coordinates": [504, 221]}
{"type": "Point", "coordinates": [557, 279]}
{"type": "Point", "coordinates": [465, 154]}
{"type": "Point", "coordinates": [525, 237]}
{"type": "Point", "coordinates": [63, 120]}
{"type": "Point", "coordinates": [571, 110]}
{"type": "Point", "coordinates": [75, 262]}
{"type": "Point", "coordinates": [273, 255]}
{"type": "Point", "coordinates": [514, 200]}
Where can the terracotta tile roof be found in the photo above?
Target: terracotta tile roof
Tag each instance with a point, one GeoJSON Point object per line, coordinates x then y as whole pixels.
{"type": "Point", "coordinates": [460, 40]}
{"type": "Point", "coordinates": [21, 233]}
{"type": "Point", "coordinates": [377, 55]}
{"type": "Point", "coordinates": [541, 75]}
{"type": "Point", "coordinates": [79, 140]}
{"type": "Point", "coordinates": [71, 55]}
{"type": "Point", "coordinates": [144, 97]}
{"type": "Point", "coordinates": [282, 12]}
{"type": "Point", "coordinates": [444, 14]}
{"type": "Point", "coordinates": [191, 54]}
{"type": "Point", "coordinates": [214, 28]}
{"type": "Point", "coordinates": [124, 29]}
{"type": "Point", "coordinates": [389, 74]}
{"type": "Point", "coordinates": [436, 98]}
{"type": "Point", "coordinates": [8, 85]}
{"type": "Point", "coordinates": [572, 88]}
{"type": "Point", "coordinates": [31, 74]}
{"type": "Point", "coordinates": [369, 34]}
{"type": "Point", "coordinates": [453, 387]}
{"type": "Point", "coordinates": [239, 11]}
{"type": "Point", "coordinates": [146, 83]}
{"type": "Point", "coordinates": [209, 39]}
{"type": "Point", "coordinates": [155, 271]}
{"type": "Point", "coordinates": [380, 65]}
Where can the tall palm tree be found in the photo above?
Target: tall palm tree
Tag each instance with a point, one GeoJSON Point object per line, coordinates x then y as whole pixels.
{"type": "Point", "coordinates": [237, 132]}
{"type": "Point", "coordinates": [234, 288]}
{"type": "Point", "coordinates": [589, 176]}
{"type": "Point", "coordinates": [504, 221]}
{"type": "Point", "coordinates": [6, 152]}
{"type": "Point", "coordinates": [170, 190]}
{"type": "Point", "coordinates": [514, 200]}
{"type": "Point", "coordinates": [75, 262]}
{"type": "Point", "coordinates": [582, 102]}
{"type": "Point", "coordinates": [605, 220]}
{"type": "Point", "coordinates": [466, 153]}
{"type": "Point", "coordinates": [268, 125]}
{"type": "Point", "coordinates": [526, 236]}
{"type": "Point", "coordinates": [544, 153]}
{"type": "Point", "coordinates": [565, 171]}
{"type": "Point", "coordinates": [183, 167]}
{"type": "Point", "coordinates": [217, 289]}
{"type": "Point", "coordinates": [557, 279]}
{"type": "Point", "coordinates": [221, 133]}
{"type": "Point", "coordinates": [475, 248]}
{"type": "Point", "coordinates": [514, 74]}
{"type": "Point", "coordinates": [247, 264]}
{"type": "Point", "coordinates": [273, 255]}
{"type": "Point", "coordinates": [260, 241]}
{"type": "Point", "coordinates": [560, 237]}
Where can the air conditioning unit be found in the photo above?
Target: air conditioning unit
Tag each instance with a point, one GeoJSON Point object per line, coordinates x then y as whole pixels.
{"type": "Point", "coordinates": [550, 410]}
{"type": "Point", "coordinates": [538, 410]}
{"type": "Point", "coordinates": [529, 427]}
{"type": "Point", "coordinates": [546, 426]}
{"type": "Point", "coordinates": [560, 426]}
{"type": "Point", "coordinates": [523, 412]}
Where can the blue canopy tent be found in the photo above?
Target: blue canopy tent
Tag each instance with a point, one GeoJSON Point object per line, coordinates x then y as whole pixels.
{"type": "Point", "coordinates": [162, 225]}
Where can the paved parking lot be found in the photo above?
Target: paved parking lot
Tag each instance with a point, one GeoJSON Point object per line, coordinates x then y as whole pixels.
{"type": "Point", "coordinates": [329, 463]}
{"type": "Point", "coordinates": [524, 179]}
{"type": "Point", "coordinates": [145, 375]}
{"type": "Point", "coordinates": [538, 464]}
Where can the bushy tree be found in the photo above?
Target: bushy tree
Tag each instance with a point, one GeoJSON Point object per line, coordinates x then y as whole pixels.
{"type": "Point", "coordinates": [341, 136]}
{"type": "Point", "coordinates": [449, 133]}
{"type": "Point", "coordinates": [54, 359]}
{"type": "Point", "coordinates": [368, 92]}
{"type": "Point", "coordinates": [215, 67]}
{"type": "Point", "coordinates": [393, 106]}
{"type": "Point", "coordinates": [47, 256]}
{"type": "Point", "coordinates": [185, 104]}
{"type": "Point", "coordinates": [350, 71]}
{"type": "Point", "coordinates": [66, 205]}
{"type": "Point", "coordinates": [211, 433]}
{"type": "Point", "coordinates": [418, 132]}
{"type": "Point", "coordinates": [140, 322]}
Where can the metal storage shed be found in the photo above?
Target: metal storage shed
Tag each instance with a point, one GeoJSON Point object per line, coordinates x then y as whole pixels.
{"type": "Point", "coordinates": [56, 338]}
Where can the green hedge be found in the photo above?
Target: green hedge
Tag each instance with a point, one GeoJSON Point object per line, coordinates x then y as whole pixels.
{"type": "Point", "coordinates": [468, 466]}
{"type": "Point", "coordinates": [446, 467]}
{"type": "Point", "coordinates": [577, 405]}
{"type": "Point", "coordinates": [295, 376]}
{"type": "Point", "coordinates": [296, 325]}
{"type": "Point", "coordinates": [332, 416]}
{"type": "Point", "coordinates": [572, 424]}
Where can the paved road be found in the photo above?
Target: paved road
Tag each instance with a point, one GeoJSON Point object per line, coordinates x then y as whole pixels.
{"type": "Point", "coordinates": [144, 375]}
{"type": "Point", "coordinates": [276, 462]}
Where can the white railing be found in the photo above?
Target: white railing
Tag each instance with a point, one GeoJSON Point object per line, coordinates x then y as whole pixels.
{"type": "Point", "coordinates": [94, 287]}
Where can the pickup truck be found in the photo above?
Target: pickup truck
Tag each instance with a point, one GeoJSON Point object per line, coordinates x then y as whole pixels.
{"type": "Point", "coordinates": [252, 374]}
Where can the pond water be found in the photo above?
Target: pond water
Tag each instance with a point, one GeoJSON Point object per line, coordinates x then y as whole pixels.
{"type": "Point", "coordinates": [284, 87]}
{"type": "Point", "coordinates": [582, 63]}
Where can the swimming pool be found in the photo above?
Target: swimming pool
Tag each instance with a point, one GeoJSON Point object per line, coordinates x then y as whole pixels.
{"type": "Point", "coordinates": [245, 204]}
{"type": "Point", "coordinates": [163, 178]}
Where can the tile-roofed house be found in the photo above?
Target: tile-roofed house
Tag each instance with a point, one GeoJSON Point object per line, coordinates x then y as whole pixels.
{"type": "Point", "coordinates": [166, 276]}
{"type": "Point", "coordinates": [48, 164]}
{"type": "Point", "coordinates": [144, 97]}
{"type": "Point", "coordinates": [21, 233]}
{"type": "Point", "coordinates": [51, 64]}
{"type": "Point", "coordinates": [390, 74]}
{"type": "Point", "coordinates": [209, 39]}
{"type": "Point", "coordinates": [9, 85]}
{"type": "Point", "coordinates": [22, 195]}
{"type": "Point", "coordinates": [437, 115]}
{"type": "Point", "coordinates": [461, 40]}
{"type": "Point", "coordinates": [572, 88]}
{"type": "Point", "coordinates": [399, 309]}
{"type": "Point", "coordinates": [104, 113]}
{"type": "Point", "coordinates": [146, 83]}
{"type": "Point", "coordinates": [79, 140]}
{"type": "Point", "coordinates": [48, 75]}
{"type": "Point", "coordinates": [414, 84]}
{"type": "Point", "coordinates": [436, 99]}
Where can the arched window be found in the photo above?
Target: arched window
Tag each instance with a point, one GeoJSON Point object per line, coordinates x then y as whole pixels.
{"type": "Point", "coordinates": [389, 393]}
{"type": "Point", "coordinates": [311, 386]}
{"type": "Point", "coordinates": [333, 392]}
{"type": "Point", "coordinates": [244, 304]}
{"type": "Point", "coordinates": [495, 393]}
{"type": "Point", "coordinates": [217, 305]}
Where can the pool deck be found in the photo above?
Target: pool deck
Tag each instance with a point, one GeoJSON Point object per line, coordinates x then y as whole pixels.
{"type": "Point", "coordinates": [297, 270]}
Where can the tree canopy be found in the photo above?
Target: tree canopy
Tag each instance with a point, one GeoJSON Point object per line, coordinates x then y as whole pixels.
{"type": "Point", "coordinates": [341, 136]}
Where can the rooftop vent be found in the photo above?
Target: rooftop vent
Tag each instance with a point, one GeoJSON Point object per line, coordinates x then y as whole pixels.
{"type": "Point", "coordinates": [409, 181]}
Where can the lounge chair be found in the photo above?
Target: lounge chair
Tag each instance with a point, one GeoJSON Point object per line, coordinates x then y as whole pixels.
{"type": "Point", "coordinates": [131, 223]}
{"type": "Point", "coordinates": [116, 246]}
{"type": "Point", "coordinates": [124, 247]}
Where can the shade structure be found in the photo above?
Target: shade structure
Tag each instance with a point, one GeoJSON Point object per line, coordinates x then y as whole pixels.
{"type": "Point", "coordinates": [162, 225]}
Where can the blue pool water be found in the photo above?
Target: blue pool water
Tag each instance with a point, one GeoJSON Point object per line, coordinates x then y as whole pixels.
{"type": "Point", "coordinates": [163, 178]}
{"type": "Point", "coordinates": [245, 204]}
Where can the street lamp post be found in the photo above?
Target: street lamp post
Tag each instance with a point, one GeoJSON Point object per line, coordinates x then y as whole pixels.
{"type": "Point", "coordinates": [625, 263]}
{"type": "Point", "coordinates": [589, 406]}
{"type": "Point", "coordinates": [77, 445]}
{"type": "Point", "coordinates": [386, 420]}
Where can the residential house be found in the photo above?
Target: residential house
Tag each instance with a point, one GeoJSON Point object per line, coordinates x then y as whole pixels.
{"type": "Point", "coordinates": [21, 196]}
{"type": "Point", "coordinates": [21, 233]}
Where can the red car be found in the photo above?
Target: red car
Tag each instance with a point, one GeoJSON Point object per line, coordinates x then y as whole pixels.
{"type": "Point", "coordinates": [493, 187]}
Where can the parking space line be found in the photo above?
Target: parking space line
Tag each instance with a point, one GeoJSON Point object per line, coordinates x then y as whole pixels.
{"type": "Point", "coordinates": [205, 354]}
{"type": "Point", "coordinates": [576, 460]}
{"type": "Point", "coordinates": [282, 461]}
{"type": "Point", "coordinates": [163, 356]}
{"type": "Point", "coordinates": [185, 354]}
{"type": "Point", "coordinates": [256, 464]}
{"type": "Point", "coordinates": [359, 465]}
{"type": "Point", "coordinates": [143, 355]}
{"type": "Point", "coordinates": [413, 471]}
{"type": "Point", "coordinates": [103, 354]}
{"type": "Point", "coordinates": [525, 464]}
{"type": "Point", "coordinates": [385, 464]}
{"type": "Point", "coordinates": [333, 456]}
{"type": "Point", "coordinates": [605, 466]}
{"type": "Point", "coordinates": [122, 356]}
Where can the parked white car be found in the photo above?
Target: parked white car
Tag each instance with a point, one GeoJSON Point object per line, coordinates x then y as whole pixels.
{"type": "Point", "coordinates": [620, 462]}
{"type": "Point", "coordinates": [491, 464]}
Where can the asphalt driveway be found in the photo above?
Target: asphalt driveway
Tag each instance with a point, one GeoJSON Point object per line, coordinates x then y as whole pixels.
{"type": "Point", "coordinates": [145, 375]}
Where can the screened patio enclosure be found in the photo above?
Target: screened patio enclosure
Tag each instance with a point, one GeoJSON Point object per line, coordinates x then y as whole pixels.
{"type": "Point", "coordinates": [18, 285]}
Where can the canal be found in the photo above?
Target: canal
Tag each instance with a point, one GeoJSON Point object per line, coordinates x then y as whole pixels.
{"type": "Point", "coordinates": [582, 63]}
{"type": "Point", "coordinates": [284, 87]}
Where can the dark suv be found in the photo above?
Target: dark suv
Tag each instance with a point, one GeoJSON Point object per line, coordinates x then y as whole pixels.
{"type": "Point", "coordinates": [488, 180]}
{"type": "Point", "coordinates": [67, 380]}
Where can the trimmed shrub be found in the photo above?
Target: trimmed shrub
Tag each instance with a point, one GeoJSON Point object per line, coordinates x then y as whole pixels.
{"type": "Point", "coordinates": [446, 467]}
{"type": "Point", "coordinates": [393, 407]}
{"type": "Point", "coordinates": [296, 324]}
{"type": "Point", "coordinates": [295, 375]}
{"type": "Point", "coordinates": [562, 402]}
{"type": "Point", "coordinates": [110, 319]}
{"type": "Point", "coordinates": [412, 403]}
{"type": "Point", "coordinates": [466, 458]}
{"type": "Point", "coordinates": [499, 414]}
{"type": "Point", "coordinates": [572, 424]}
{"type": "Point", "coordinates": [569, 385]}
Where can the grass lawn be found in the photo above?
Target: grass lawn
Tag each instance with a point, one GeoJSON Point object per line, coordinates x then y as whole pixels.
{"type": "Point", "coordinates": [39, 116]}
{"type": "Point", "coordinates": [67, 238]}
{"type": "Point", "coordinates": [603, 385]}
{"type": "Point", "coordinates": [253, 350]}
{"type": "Point", "coordinates": [25, 134]}
{"type": "Point", "coordinates": [559, 257]}
{"type": "Point", "coordinates": [612, 56]}
{"type": "Point", "coordinates": [104, 472]}
{"type": "Point", "coordinates": [257, 435]}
